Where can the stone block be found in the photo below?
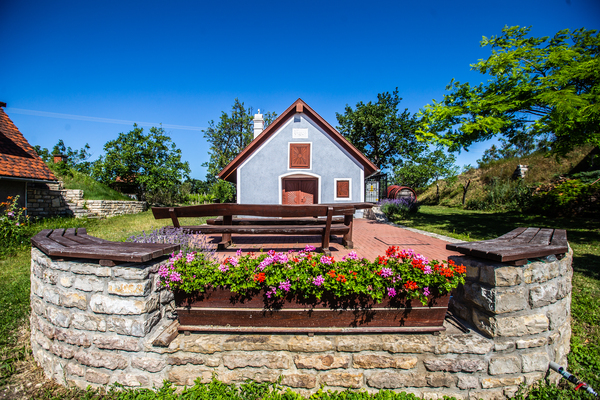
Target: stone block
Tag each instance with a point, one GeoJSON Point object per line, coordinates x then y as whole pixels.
{"type": "Point", "coordinates": [186, 375]}
{"type": "Point", "coordinates": [455, 365]}
{"type": "Point", "coordinates": [497, 394]}
{"type": "Point", "coordinates": [440, 380]}
{"type": "Point", "coordinates": [75, 338]}
{"type": "Point", "coordinates": [501, 275]}
{"type": "Point", "coordinates": [494, 382]}
{"type": "Point", "coordinates": [96, 377]}
{"type": "Point", "coordinates": [132, 380]}
{"type": "Point", "coordinates": [58, 316]}
{"type": "Point", "coordinates": [307, 344]}
{"type": "Point", "coordinates": [356, 343]}
{"type": "Point", "coordinates": [532, 342]}
{"type": "Point", "coordinates": [73, 300]}
{"type": "Point", "coordinates": [193, 358]}
{"type": "Point", "coordinates": [74, 368]}
{"type": "Point", "coordinates": [257, 375]}
{"type": "Point", "coordinates": [537, 361]}
{"type": "Point", "coordinates": [504, 365]}
{"type": "Point", "coordinates": [464, 344]}
{"type": "Point", "coordinates": [368, 361]}
{"type": "Point", "coordinates": [206, 344]}
{"type": "Point", "coordinates": [88, 284]}
{"type": "Point", "coordinates": [506, 326]}
{"type": "Point", "coordinates": [559, 312]}
{"type": "Point", "coordinates": [441, 395]}
{"type": "Point", "coordinates": [256, 359]}
{"type": "Point", "coordinates": [342, 379]}
{"type": "Point", "coordinates": [497, 300]}
{"type": "Point", "coordinates": [102, 304]}
{"type": "Point", "coordinates": [255, 343]}
{"type": "Point", "coordinates": [321, 362]}
{"type": "Point", "coordinates": [60, 265]}
{"type": "Point", "coordinates": [43, 326]}
{"type": "Point", "coordinates": [409, 343]}
{"type": "Point", "coordinates": [116, 342]}
{"type": "Point", "coordinates": [41, 339]}
{"type": "Point", "coordinates": [540, 271]}
{"type": "Point", "coordinates": [83, 268]}
{"type": "Point", "coordinates": [37, 306]}
{"type": "Point", "coordinates": [543, 294]}
{"type": "Point", "coordinates": [148, 364]}
{"type": "Point", "coordinates": [66, 280]}
{"type": "Point", "coordinates": [37, 287]}
{"type": "Point", "coordinates": [50, 276]}
{"type": "Point", "coordinates": [300, 381]}
{"type": "Point", "coordinates": [564, 287]}
{"type": "Point", "coordinates": [504, 345]}
{"type": "Point", "coordinates": [468, 382]}
{"type": "Point", "coordinates": [394, 380]}
{"type": "Point", "coordinates": [88, 322]}
{"type": "Point", "coordinates": [99, 359]}
{"type": "Point", "coordinates": [62, 350]}
{"type": "Point", "coordinates": [51, 295]}
{"type": "Point", "coordinates": [131, 273]}
{"type": "Point", "coordinates": [125, 288]}
{"type": "Point", "coordinates": [166, 296]}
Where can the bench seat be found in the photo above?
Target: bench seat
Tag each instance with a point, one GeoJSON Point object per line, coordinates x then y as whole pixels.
{"type": "Point", "coordinates": [276, 221]}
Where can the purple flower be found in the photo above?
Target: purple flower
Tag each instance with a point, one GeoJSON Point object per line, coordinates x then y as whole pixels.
{"type": "Point", "coordinates": [190, 257]}
{"type": "Point", "coordinates": [391, 292]}
{"type": "Point", "coordinates": [280, 258]}
{"type": "Point", "coordinates": [10, 214]}
{"type": "Point", "coordinates": [264, 263]}
{"type": "Point", "coordinates": [397, 278]}
{"type": "Point", "coordinates": [386, 272]}
{"type": "Point", "coordinates": [309, 248]}
{"type": "Point", "coordinates": [175, 277]}
{"type": "Point", "coordinates": [285, 285]}
{"type": "Point", "coordinates": [233, 261]}
{"type": "Point", "coordinates": [422, 258]}
{"type": "Point", "coordinates": [163, 271]}
{"type": "Point", "coordinates": [271, 292]}
{"type": "Point", "coordinates": [326, 260]}
{"type": "Point", "coordinates": [318, 281]}
{"type": "Point", "coordinates": [426, 291]}
{"type": "Point", "coordinates": [351, 256]}
{"type": "Point", "coordinates": [427, 270]}
{"type": "Point", "coordinates": [238, 253]}
{"type": "Point", "coordinates": [223, 268]}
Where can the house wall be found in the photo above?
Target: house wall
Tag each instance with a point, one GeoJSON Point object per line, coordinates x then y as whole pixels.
{"type": "Point", "coordinates": [13, 188]}
{"type": "Point", "coordinates": [259, 178]}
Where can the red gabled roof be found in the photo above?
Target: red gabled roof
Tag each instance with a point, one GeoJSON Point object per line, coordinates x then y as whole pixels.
{"type": "Point", "coordinates": [17, 158]}
{"type": "Point", "coordinates": [299, 106]}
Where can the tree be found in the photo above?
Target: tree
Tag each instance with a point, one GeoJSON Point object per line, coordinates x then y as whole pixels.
{"type": "Point", "coordinates": [75, 159]}
{"type": "Point", "coordinates": [230, 136]}
{"type": "Point", "coordinates": [538, 88]}
{"type": "Point", "coordinates": [380, 131]}
{"type": "Point", "coordinates": [424, 168]}
{"type": "Point", "coordinates": [150, 162]}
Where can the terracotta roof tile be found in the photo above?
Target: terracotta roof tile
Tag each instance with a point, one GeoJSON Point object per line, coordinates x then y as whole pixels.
{"type": "Point", "coordinates": [17, 157]}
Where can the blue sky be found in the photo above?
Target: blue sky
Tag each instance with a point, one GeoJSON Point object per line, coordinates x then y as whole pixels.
{"type": "Point", "coordinates": [84, 71]}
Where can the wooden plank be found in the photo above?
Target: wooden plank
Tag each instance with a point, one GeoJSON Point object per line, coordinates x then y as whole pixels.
{"type": "Point", "coordinates": [512, 234]}
{"type": "Point", "coordinates": [530, 252]}
{"type": "Point", "coordinates": [559, 238]}
{"type": "Point", "coordinates": [71, 234]}
{"type": "Point", "coordinates": [57, 236]}
{"type": "Point", "coordinates": [543, 237]}
{"type": "Point", "coordinates": [526, 235]}
{"type": "Point", "coordinates": [46, 245]}
{"type": "Point", "coordinates": [300, 330]}
{"type": "Point", "coordinates": [276, 221]}
{"type": "Point", "coordinates": [266, 229]}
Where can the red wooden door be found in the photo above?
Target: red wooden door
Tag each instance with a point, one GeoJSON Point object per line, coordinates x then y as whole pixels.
{"type": "Point", "coordinates": [299, 191]}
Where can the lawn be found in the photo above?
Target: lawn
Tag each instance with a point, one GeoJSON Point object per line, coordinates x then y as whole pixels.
{"type": "Point", "coordinates": [17, 367]}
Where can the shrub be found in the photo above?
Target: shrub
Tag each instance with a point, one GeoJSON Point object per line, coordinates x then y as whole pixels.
{"type": "Point", "coordinates": [503, 195]}
{"type": "Point", "coordinates": [569, 198]}
{"type": "Point", "coordinates": [398, 208]}
{"type": "Point", "coordinates": [189, 242]}
{"type": "Point", "coordinates": [13, 224]}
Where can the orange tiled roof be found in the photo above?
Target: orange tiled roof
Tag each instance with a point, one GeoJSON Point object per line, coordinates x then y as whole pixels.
{"type": "Point", "coordinates": [17, 158]}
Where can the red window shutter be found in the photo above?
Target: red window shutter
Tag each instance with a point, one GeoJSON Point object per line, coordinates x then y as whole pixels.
{"type": "Point", "coordinates": [343, 189]}
{"type": "Point", "coordinates": [300, 155]}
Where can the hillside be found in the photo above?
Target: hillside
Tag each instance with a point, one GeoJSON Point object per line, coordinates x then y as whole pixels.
{"type": "Point", "coordinates": [92, 189]}
{"type": "Point", "coordinates": [495, 179]}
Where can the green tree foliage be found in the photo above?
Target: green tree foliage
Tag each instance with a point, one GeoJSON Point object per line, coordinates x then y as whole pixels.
{"type": "Point", "coordinates": [151, 163]}
{"type": "Point", "coordinates": [423, 168]}
{"type": "Point", "coordinates": [230, 136]}
{"type": "Point", "coordinates": [380, 131]}
{"type": "Point", "coordinates": [75, 159]}
{"type": "Point", "coordinates": [546, 88]}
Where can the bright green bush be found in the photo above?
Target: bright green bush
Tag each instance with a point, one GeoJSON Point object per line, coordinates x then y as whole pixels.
{"type": "Point", "coordinates": [13, 225]}
{"type": "Point", "coordinates": [572, 197]}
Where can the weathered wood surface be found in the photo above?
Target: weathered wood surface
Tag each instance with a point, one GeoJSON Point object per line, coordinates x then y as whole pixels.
{"type": "Point", "coordinates": [220, 310]}
{"type": "Point", "coordinates": [76, 243]}
{"type": "Point", "coordinates": [295, 220]}
{"type": "Point", "coordinates": [167, 336]}
{"type": "Point", "coordinates": [517, 246]}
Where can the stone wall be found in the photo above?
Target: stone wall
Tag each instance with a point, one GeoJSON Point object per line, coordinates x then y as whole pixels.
{"type": "Point", "coordinates": [46, 200]}
{"type": "Point", "coordinates": [93, 325]}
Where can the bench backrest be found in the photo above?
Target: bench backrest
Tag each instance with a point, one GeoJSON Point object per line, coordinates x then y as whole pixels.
{"type": "Point", "coordinates": [262, 210]}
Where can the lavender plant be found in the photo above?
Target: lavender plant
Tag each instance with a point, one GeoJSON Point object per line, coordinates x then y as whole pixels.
{"type": "Point", "coordinates": [189, 242]}
{"type": "Point", "coordinates": [398, 208]}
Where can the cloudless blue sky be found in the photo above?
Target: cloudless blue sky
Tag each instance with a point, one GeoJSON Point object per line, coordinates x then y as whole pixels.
{"type": "Point", "coordinates": [84, 71]}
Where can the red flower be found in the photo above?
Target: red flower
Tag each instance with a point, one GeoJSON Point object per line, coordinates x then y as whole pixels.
{"type": "Point", "coordinates": [341, 277]}
{"type": "Point", "coordinates": [332, 273]}
{"type": "Point", "coordinates": [410, 285]}
{"type": "Point", "coordinates": [259, 277]}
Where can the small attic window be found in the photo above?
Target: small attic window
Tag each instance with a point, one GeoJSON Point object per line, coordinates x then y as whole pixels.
{"type": "Point", "coordinates": [297, 118]}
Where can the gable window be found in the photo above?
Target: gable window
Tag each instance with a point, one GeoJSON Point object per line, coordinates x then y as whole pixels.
{"type": "Point", "coordinates": [343, 189]}
{"type": "Point", "coordinates": [300, 155]}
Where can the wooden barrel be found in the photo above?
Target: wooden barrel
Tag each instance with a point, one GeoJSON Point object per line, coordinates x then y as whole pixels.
{"type": "Point", "coordinates": [398, 192]}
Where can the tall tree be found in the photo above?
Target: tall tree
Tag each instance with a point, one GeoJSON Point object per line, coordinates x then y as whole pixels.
{"type": "Point", "coordinates": [538, 87]}
{"type": "Point", "coordinates": [422, 169]}
{"type": "Point", "coordinates": [75, 159]}
{"type": "Point", "coordinates": [380, 131]}
{"type": "Point", "coordinates": [230, 136]}
{"type": "Point", "coordinates": [151, 162]}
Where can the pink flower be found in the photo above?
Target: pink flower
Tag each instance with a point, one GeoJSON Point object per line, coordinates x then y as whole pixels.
{"type": "Point", "coordinates": [391, 292]}
{"type": "Point", "coordinates": [427, 270]}
{"type": "Point", "coordinates": [309, 248]}
{"type": "Point", "coordinates": [326, 260]}
{"type": "Point", "coordinates": [386, 272]}
{"type": "Point", "coordinates": [426, 291]}
{"type": "Point", "coordinates": [232, 261]}
{"type": "Point", "coordinates": [190, 257]}
{"type": "Point", "coordinates": [223, 268]}
{"type": "Point", "coordinates": [318, 281]}
{"type": "Point", "coordinates": [175, 277]}
{"type": "Point", "coordinates": [422, 258]}
{"type": "Point", "coordinates": [238, 253]}
{"type": "Point", "coordinates": [285, 285]}
{"type": "Point", "coordinates": [271, 253]}
{"type": "Point", "coordinates": [271, 292]}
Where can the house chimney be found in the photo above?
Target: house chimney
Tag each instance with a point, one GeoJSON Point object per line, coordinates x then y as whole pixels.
{"type": "Point", "coordinates": [259, 124]}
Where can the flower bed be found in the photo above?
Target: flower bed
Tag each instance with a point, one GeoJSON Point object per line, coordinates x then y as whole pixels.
{"type": "Point", "coordinates": [308, 290]}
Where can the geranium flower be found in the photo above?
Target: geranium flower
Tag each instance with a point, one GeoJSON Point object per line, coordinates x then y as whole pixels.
{"type": "Point", "coordinates": [223, 268]}
{"type": "Point", "coordinates": [238, 253]}
{"type": "Point", "coordinates": [309, 248]}
{"type": "Point", "coordinates": [391, 292]}
{"type": "Point", "coordinates": [386, 272]}
{"type": "Point", "coordinates": [426, 291]}
{"type": "Point", "coordinates": [326, 260]}
{"type": "Point", "coordinates": [260, 277]}
{"type": "Point", "coordinates": [318, 281]}
{"type": "Point", "coordinates": [285, 285]}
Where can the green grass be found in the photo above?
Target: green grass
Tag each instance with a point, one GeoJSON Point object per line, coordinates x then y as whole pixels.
{"type": "Point", "coordinates": [92, 189]}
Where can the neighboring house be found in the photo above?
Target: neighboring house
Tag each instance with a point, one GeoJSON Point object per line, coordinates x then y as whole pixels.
{"type": "Point", "coordinates": [20, 165]}
{"type": "Point", "coordinates": [298, 159]}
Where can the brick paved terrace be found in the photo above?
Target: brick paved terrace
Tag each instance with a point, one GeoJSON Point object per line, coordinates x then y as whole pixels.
{"type": "Point", "coordinates": [371, 239]}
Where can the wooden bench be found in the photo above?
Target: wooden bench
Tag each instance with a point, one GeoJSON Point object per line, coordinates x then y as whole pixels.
{"type": "Point", "coordinates": [314, 219]}
{"type": "Point", "coordinates": [76, 243]}
{"type": "Point", "coordinates": [517, 246]}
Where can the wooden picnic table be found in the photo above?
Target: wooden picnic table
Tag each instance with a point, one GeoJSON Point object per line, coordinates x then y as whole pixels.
{"type": "Point", "coordinates": [315, 219]}
{"type": "Point", "coordinates": [517, 246]}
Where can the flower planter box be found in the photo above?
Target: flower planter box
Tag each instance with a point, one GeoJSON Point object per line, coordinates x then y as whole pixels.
{"type": "Point", "coordinates": [220, 310]}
